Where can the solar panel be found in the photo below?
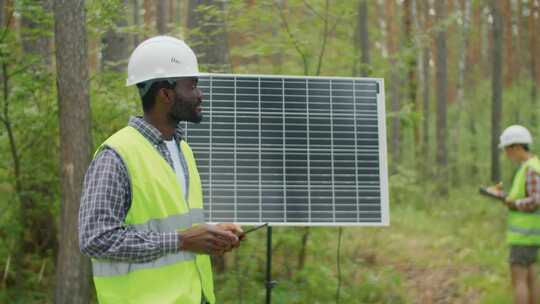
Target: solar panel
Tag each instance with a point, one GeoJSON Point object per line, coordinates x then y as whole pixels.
{"type": "Point", "coordinates": [290, 150]}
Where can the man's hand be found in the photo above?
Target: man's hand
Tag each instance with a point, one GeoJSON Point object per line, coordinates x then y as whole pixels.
{"type": "Point", "coordinates": [236, 229]}
{"type": "Point", "coordinates": [511, 204]}
{"type": "Point", "coordinates": [496, 189]}
{"type": "Point", "coordinates": [207, 239]}
{"type": "Point", "coordinates": [525, 206]}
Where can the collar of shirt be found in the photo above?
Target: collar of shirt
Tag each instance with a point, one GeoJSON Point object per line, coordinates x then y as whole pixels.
{"type": "Point", "coordinates": [150, 132]}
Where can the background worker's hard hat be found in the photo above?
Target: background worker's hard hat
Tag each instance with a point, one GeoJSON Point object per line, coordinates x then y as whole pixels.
{"type": "Point", "coordinates": [161, 57]}
{"type": "Point", "coordinates": [515, 134]}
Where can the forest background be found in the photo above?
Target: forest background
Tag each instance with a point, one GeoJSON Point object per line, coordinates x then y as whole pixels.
{"type": "Point", "coordinates": [456, 73]}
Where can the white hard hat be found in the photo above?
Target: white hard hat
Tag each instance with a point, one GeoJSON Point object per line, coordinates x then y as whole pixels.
{"type": "Point", "coordinates": [515, 134]}
{"type": "Point", "coordinates": [161, 57]}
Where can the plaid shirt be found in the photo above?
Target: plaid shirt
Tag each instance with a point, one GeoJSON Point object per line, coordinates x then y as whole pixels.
{"type": "Point", "coordinates": [533, 189]}
{"type": "Point", "coordinates": [105, 201]}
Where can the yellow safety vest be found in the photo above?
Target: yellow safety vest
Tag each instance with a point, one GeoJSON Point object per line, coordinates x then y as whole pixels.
{"type": "Point", "coordinates": [523, 227]}
{"type": "Point", "coordinates": [157, 204]}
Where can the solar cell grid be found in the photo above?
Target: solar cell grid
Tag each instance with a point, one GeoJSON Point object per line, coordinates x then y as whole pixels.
{"type": "Point", "coordinates": [292, 150]}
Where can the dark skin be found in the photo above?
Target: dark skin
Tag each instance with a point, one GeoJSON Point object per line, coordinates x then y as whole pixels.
{"type": "Point", "coordinates": [183, 103]}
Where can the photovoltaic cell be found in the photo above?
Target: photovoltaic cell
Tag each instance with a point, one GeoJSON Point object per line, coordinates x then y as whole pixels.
{"type": "Point", "coordinates": [291, 150]}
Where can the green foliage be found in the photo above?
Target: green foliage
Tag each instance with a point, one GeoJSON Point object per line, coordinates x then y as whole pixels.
{"type": "Point", "coordinates": [112, 104]}
{"type": "Point", "coordinates": [272, 30]}
{"type": "Point", "coordinates": [32, 115]}
{"type": "Point", "coordinates": [406, 186]}
{"type": "Point", "coordinates": [453, 248]}
{"type": "Point", "coordinates": [101, 15]}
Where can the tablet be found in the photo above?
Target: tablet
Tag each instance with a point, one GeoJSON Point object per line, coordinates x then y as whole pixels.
{"type": "Point", "coordinates": [486, 192]}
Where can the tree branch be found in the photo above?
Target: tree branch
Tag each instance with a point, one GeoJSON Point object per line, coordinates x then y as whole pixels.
{"type": "Point", "coordinates": [325, 38]}
{"type": "Point", "coordinates": [285, 25]}
{"type": "Point", "coordinates": [312, 9]}
{"type": "Point", "coordinates": [9, 129]}
{"type": "Point", "coordinates": [6, 29]}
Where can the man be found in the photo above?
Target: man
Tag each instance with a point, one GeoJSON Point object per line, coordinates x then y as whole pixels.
{"type": "Point", "coordinates": [141, 218]}
{"type": "Point", "coordinates": [523, 231]}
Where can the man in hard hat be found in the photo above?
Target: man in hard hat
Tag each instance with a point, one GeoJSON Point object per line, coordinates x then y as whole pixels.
{"type": "Point", "coordinates": [523, 200]}
{"type": "Point", "coordinates": [141, 218]}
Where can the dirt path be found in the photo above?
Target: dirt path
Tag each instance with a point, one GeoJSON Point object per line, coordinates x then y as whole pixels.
{"type": "Point", "coordinates": [425, 284]}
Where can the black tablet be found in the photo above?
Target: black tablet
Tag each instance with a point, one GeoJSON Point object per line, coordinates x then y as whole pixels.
{"type": "Point", "coordinates": [486, 192]}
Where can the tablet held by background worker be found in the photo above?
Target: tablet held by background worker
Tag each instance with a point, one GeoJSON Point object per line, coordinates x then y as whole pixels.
{"type": "Point", "coordinates": [492, 193]}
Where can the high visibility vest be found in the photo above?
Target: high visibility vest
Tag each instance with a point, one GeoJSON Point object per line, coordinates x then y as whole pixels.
{"type": "Point", "coordinates": [523, 227]}
{"type": "Point", "coordinates": [157, 204]}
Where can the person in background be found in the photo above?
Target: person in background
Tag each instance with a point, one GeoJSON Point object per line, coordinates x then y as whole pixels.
{"type": "Point", "coordinates": [523, 200]}
{"type": "Point", "coordinates": [141, 218]}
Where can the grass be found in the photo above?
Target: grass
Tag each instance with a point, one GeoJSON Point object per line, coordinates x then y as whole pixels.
{"type": "Point", "coordinates": [435, 251]}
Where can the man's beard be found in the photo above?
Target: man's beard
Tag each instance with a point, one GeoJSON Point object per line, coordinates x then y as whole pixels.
{"type": "Point", "coordinates": [182, 113]}
{"type": "Point", "coordinates": [196, 117]}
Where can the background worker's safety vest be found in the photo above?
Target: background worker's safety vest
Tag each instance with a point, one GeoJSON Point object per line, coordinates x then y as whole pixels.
{"type": "Point", "coordinates": [157, 204]}
{"type": "Point", "coordinates": [523, 227]}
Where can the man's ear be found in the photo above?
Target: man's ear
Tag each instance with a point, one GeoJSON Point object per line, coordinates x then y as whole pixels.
{"type": "Point", "coordinates": [164, 96]}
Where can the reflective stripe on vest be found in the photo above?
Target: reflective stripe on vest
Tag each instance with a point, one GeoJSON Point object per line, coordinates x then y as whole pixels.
{"type": "Point", "coordinates": [158, 205]}
{"type": "Point", "coordinates": [106, 269]}
{"type": "Point", "coordinates": [168, 224]}
{"type": "Point", "coordinates": [173, 222]}
{"type": "Point", "coordinates": [523, 228]}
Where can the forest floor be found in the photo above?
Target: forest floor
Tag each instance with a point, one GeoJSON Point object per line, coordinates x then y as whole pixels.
{"type": "Point", "coordinates": [447, 251]}
{"type": "Point", "coordinates": [434, 251]}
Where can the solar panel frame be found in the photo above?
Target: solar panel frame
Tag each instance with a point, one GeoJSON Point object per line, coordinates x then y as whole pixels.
{"type": "Point", "coordinates": [381, 144]}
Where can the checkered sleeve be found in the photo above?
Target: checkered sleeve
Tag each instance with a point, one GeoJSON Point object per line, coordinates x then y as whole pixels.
{"type": "Point", "coordinates": [533, 189]}
{"type": "Point", "coordinates": [105, 201]}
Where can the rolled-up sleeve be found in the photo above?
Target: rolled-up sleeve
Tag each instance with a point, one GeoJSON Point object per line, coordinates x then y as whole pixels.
{"type": "Point", "coordinates": [533, 189]}
{"type": "Point", "coordinates": [105, 201]}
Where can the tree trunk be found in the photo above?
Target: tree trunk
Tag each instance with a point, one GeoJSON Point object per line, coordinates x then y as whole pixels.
{"type": "Point", "coordinates": [462, 67]}
{"type": "Point", "coordinates": [136, 22]}
{"type": "Point", "coordinates": [161, 17]}
{"type": "Point", "coordinates": [115, 45]}
{"type": "Point", "coordinates": [303, 249]}
{"type": "Point", "coordinates": [93, 54]}
{"type": "Point", "coordinates": [7, 18]}
{"type": "Point", "coordinates": [509, 45]}
{"type": "Point", "coordinates": [474, 145]}
{"type": "Point", "coordinates": [362, 39]}
{"type": "Point", "coordinates": [32, 43]}
{"type": "Point", "coordinates": [442, 95]}
{"type": "Point", "coordinates": [476, 38]}
{"type": "Point", "coordinates": [394, 83]}
{"type": "Point", "coordinates": [537, 30]}
{"type": "Point", "coordinates": [72, 270]}
{"type": "Point", "coordinates": [412, 83]}
{"type": "Point", "coordinates": [496, 89]}
{"type": "Point", "coordinates": [2, 12]}
{"type": "Point", "coordinates": [426, 85]}
{"type": "Point", "coordinates": [211, 47]}
{"type": "Point", "coordinates": [476, 63]}
{"type": "Point", "coordinates": [180, 12]}
{"type": "Point", "coordinates": [172, 16]}
{"type": "Point", "coordinates": [149, 17]}
{"type": "Point", "coordinates": [533, 52]}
